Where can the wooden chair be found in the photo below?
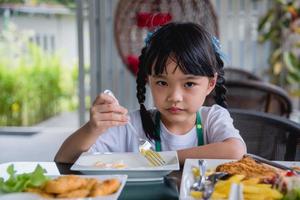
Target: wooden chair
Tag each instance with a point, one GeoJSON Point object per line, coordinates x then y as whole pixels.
{"type": "Point", "coordinates": [267, 135]}
{"type": "Point", "coordinates": [239, 74]}
{"type": "Point", "coordinates": [256, 95]}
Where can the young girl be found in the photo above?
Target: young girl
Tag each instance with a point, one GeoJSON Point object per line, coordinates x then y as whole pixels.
{"type": "Point", "coordinates": [182, 65]}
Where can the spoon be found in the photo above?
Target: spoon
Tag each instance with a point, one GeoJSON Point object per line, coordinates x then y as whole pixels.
{"type": "Point", "coordinates": [217, 176]}
{"type": "Point", "coordinates": [210, 182]}
{"type": "Point", "coordinates": [207, 184]}
{"type": "Point", "coordinates": [208, 189]}
{"type": "Point", "coordinates": [199, 184]}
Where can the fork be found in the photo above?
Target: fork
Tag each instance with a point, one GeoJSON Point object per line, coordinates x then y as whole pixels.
{"type": "Point", "coordinates": [145, 147]}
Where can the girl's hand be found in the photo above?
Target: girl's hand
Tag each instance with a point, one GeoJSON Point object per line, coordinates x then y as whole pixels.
{"type": "Point", "coordinates": [105, 113]}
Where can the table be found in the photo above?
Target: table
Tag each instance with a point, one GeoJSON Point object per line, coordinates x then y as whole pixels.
{"type": "Point", "coordinates": [168, 188]}
{"type": "Point", "coordinates": [165, 189]}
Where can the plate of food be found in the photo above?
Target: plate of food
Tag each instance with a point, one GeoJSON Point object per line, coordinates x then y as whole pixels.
{"type": "Point", "coordinates": [257, 180]}
{"type": "Point", "coordinates": [37, 185]}
{"type": "Point", "coordinates": [135, 165]}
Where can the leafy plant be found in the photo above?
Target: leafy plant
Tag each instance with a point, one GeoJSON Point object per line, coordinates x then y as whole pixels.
{"type": "Point", "coordinates": [20, 182]}
{"type": "Point", "coordinates": [281, 26]}
{"type": "Point", "coordinates": [34, 85]}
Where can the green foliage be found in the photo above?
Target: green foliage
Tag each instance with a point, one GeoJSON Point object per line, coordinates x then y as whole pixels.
{"type": "Point", "coordinates": [280, 26]}
{"type": "Point", "coordinates": [292, 195]}
{"type": "Point", "coordinates": [34, 85]}
{"type": "Point", "coordinates": [18, 183]}
{"type": "Point", "coordinates": [11, 1]}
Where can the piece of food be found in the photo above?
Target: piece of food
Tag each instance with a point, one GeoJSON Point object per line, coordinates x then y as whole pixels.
{"type": "Point", "coordinates": [90, 183]}
{"type": "Point", "coordinates": [69, 186]}
{"type": "Point", "coordinates": [289, 183]}
{"type": "Point", "coordinates": [20, 182]}
{"type": "Point", "coordinates": [258, 181]}
{"type": "Point", "coordinates": [106, 187]}
{"type": "Point", "coordinates": [252, 190]}
{"type": "Point", "coordinates": [64, 184]}
{"type": "Point", "coordinates": [80, 193]}
{"type": "Point", "coordinates": [250, 168]}
{"type": "Point", "coordinates": [196, 194]}
{"type": "Point", "coordinates": [196, 172]}
{"type": "Point", "coordinates": [116, 165]}
{"type": "Point", "coordinates": [40, 192]}
{"type": "Point", "coordinates": [72, 186]}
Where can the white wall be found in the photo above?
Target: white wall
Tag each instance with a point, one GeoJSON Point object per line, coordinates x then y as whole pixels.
{"type": "Point", "coordinates": [59, 31]}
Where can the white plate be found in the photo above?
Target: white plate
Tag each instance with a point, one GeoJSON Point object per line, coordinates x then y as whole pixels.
{"type": "Point", "coordinates": [27, 167]}
{"type": "Point", "coordinates": [31, 196]}
{"type": "Point", "coordinates": [188, 178]}
{"type": "Point", "coordinates": [136, 166]}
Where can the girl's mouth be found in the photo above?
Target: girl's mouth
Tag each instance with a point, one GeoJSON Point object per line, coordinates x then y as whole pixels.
{"type": "Point", "coordinates": [174, 110]}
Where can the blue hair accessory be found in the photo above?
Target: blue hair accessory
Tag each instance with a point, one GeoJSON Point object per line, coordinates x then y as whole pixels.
{"type": "Point", "coordinates": [148, 37]}
{"type": "Point", "coordinates": [217, 48]}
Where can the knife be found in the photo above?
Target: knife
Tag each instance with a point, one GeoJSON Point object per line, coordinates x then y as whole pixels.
{"type": "Point", "coordinates": [272, 163]}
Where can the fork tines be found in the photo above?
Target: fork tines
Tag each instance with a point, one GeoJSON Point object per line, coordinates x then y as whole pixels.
{"type": "Point", "coordinates": [153, 157]}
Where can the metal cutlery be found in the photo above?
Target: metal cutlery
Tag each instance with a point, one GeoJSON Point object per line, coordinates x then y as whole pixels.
{"type": "Point", "coordinates": [236, 192]}
{"type": "Point", "coordinates": [203, 185]}
{"type": "Point", "coordinates": [207, 184]}
{"type": "Point", "coordinates": [271, 163]}
{"type": "Point", "coordinates": [145, 147]}
{"type": "Point", "coordinates": [217, 176]}
{"type": "Point", "coordinates": [199, 184]}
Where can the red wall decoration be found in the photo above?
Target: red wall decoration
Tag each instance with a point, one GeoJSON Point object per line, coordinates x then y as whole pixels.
{"type": "Point", "coordinates": [134, 18]}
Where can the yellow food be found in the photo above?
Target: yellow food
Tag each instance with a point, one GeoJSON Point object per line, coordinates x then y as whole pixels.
{"type": "Point", "coordinates": [80, 193]}
{"type": "Point", "coordinates": [40, 192]}
{"type": "Point", "coordinates": [105, 188]}
{"type": "Point", "coordinates": [250, 168]}
{"type": "Point", "coordinates": [252, 189]}
{"type": "Point", "coordinates": [73, 186]}
{"type": "Point", "coordinates": [254, 178]}
{"type": "Point", "coordinates": [64, 184]}
{"type": "Point", "coordinates": [117, 165]}
{"type": "Point", "coordinates": [196, 194]}
{"type": "Point", "coordinates": [196, 172]}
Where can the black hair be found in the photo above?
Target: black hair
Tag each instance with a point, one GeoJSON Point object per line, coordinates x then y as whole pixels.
{"type": "Point", "coordinates": [190, 45]}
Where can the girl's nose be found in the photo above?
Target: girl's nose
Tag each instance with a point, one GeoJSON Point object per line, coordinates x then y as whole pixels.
{"type": "Point", "coordinates": [175, 96]}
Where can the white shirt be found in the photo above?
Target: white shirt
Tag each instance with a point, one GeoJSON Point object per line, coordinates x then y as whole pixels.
{"type": "Point", "coordinates": [216, 124]}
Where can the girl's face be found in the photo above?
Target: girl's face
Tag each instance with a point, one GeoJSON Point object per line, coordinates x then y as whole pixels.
{"type": "Point", "coordinates": [178, 96]}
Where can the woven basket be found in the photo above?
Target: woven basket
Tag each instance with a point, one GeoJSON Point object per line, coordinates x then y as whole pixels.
{"type": "Point", "coordinates": [134, 18]}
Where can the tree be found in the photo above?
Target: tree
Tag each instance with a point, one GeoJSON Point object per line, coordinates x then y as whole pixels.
{"type": "Point", "coordinates": [280, 26]}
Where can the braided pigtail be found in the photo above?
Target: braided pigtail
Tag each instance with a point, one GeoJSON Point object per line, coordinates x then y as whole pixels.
{"type": "Point", "coordinates": [141, 80]}
{"type": "Point", "coordinates": [220, 89]}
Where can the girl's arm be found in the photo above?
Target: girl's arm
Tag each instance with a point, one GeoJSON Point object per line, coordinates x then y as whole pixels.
{"type": "Point", "coordinates": [231, 148]}
{"type": "Point", "coordinates": [80, 141]}
{"type": "Point", "coordinates": [104, 113]}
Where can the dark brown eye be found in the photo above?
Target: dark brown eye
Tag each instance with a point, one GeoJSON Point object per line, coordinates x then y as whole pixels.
{"type": "Point", "coordinates": [161, 83]}
{"type": "Point", "coordinates": [189, 84]}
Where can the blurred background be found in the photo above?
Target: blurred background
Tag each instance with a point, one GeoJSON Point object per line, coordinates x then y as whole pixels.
{"type": "Point", "coordinates": [57, 55]}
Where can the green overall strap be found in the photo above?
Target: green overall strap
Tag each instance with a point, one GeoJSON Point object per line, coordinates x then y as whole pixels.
{"type": "Point", "coordinates": [198, 129]}
{"type": "Point", "coordinates": [157, 132]}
